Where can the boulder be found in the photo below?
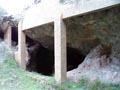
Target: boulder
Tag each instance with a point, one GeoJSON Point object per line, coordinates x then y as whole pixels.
{"type": "Point", "coordinates": [97, 58]}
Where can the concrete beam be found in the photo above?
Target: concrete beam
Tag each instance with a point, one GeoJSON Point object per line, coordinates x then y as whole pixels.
{"type": "Point", "coordinates": [87, 6]}
{"type": "Point", "coordinates": [79, 8]}
{"type": "Point", "coordinates": [21, 46]}
{"type": "Point", "coordinates": [7, 36]}
{"type": "Point", "coordinates": [60, 49]}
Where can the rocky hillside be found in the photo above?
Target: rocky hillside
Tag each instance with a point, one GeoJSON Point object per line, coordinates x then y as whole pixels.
{"type": "Point", "coordinates": [98, 65]}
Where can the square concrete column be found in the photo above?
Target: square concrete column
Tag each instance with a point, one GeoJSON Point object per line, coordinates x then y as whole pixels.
{"type": "Point", "coordinates": [21, 46]}
{"type": "Point", "coordinates": [7, 36]}
{"type": "Point", "coordinates": [60, 49]}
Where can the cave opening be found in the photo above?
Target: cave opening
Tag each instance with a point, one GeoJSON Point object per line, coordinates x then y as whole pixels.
{"type": "Point", "coordinates": [42, 59]}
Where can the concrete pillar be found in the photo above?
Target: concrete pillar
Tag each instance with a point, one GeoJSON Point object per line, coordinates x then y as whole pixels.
{"type": "Point", "coordinates": [21, 46]}
{"type": "Point", "coordinates": [16, 55]}
{"type": "Point", "coordinates": [60, 49]}
{"type": "Point", "coordinates": [7, 36]}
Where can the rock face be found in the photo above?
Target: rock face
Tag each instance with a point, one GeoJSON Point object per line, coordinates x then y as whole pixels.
{"type": "Point", "coordinates": [83, 32]}
{"type": "Point", "coordinates": [42, 34]}
{"type": "Point", "coordinates": [98, 57]}
{"type": "Point", "coordinates": [98, 65]}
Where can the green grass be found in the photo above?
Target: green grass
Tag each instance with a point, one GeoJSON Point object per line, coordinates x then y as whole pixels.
{"type": "Point", "coordinates": [14, 78]}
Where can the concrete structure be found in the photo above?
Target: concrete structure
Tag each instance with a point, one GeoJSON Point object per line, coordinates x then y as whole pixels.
{"type": "Point", "coordinates": [8, 36]}
{"type": "Point", "coordinates": [21, 46]}
{"type": "Point", "coordinates": [57, 13]}
{"type": "Point", "coordinates": [60, 48]}
{"type": "Point", "coordinates": [49, 11]}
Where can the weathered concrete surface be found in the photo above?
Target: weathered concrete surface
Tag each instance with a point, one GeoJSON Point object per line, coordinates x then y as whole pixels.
{"type": "Point", "coordinates": [8, 36]}
{"type": "Point", "coordinates": [60, 49]}
{"type": "Point", "coordinates": [45, 11]}
{"type": "Point", "coordinates": [21, 47]}
{"type": "Point", "coordinates": [84, 32]}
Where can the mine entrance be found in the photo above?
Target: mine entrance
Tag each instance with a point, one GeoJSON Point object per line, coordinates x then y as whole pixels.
{"type": "Point", "coordinates": [42, 59]}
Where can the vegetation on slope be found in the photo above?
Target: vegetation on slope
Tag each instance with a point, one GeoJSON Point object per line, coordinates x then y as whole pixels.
{"type": "Point", "coordinates": [14, 78]}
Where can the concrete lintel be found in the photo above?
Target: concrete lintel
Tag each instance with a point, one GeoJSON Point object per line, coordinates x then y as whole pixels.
{"type": "Point", "coordinates": [79, 8]}
{"type": "Point", "coordinates": [87, 6]}
{"type": "Point", "coordinates": [60, 49]}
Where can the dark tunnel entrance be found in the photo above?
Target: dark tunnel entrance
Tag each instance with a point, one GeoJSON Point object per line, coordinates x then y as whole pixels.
{"type": "Point", "coordinates": [42, 59]}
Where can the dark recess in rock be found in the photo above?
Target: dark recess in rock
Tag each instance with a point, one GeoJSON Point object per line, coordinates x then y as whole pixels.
{"type": "Point", "coordinates": [42, 59]}
{"type": "Point", "coordinates": [14, 37]}
{"type": "Point", "coordinates": [1, 34]}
